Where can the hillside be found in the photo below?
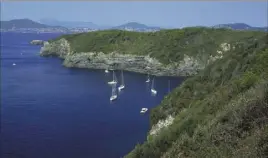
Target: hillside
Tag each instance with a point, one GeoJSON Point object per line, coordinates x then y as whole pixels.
{"type": "Point", "coordinates": [24, 23]}
{"type": "Point", "coordinates": [221, 111]}
{"type": "Point", "coordinates": [136, 26]}
{"type": "Point", "coordinates": [241, 26]}
{"type": "Point", "coordinates": [70, 24]}
{"type": "Point", "coordinates": [165, 45]}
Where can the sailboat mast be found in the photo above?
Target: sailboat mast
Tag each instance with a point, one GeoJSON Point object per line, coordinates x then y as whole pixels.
{"type": "Point", "coordinates": [113, 90]}
{"type": "Point", "coordinates": [122, 76]}
{"type": "Point", "coordinates": [152, 84]}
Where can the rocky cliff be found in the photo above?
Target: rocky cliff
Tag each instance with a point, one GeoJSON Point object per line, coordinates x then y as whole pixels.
{"type": "Point", "coordinates": [115, 60]}
{"type": "Point", "coordinates": [220, 112]}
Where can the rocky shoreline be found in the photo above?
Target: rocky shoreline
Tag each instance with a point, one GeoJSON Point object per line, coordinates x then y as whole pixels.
{"type": "Point", "coordinates": [139, 64]}
{"type": "Point", "coordinates": [189, 66]}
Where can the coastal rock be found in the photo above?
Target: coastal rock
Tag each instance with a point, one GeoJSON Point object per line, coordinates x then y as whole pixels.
{"type": "Point", "coordinates": [142, 64]}
{"type": "Point", "coordinates": [37, 42]}
{"type": "Point", "coordinates": [161, 124]}
{"type": "Point", "coordinates": [225, 47]}
{"type": "Point", "coordinates": [59, 48]}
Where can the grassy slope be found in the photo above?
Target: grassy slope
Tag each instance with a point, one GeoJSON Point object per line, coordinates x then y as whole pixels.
{"type": "Point", "coordinates": [166, 45]}
{"type": "Point", "coordinates": [221, 112]}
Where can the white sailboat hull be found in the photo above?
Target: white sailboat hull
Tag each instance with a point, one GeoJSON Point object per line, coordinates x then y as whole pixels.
{"type": "Point", "coordinates": [113, 97]}
{"type": "Point", "coordinates": [153, 91]}
{"type": "Point", "coordinates": [121, 87]}
{"type": "Point", "coordinates": [143, 110]}
{"type": "Point", "coordinates": [112, 82]}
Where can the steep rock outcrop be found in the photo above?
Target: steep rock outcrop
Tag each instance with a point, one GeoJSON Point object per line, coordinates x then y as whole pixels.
{"type": "Point", "coordinates": [141, 64]}
{"type": "Point", "coordinates": [59, 48]}
{"type": "Point", "coordinates": [115, 60]}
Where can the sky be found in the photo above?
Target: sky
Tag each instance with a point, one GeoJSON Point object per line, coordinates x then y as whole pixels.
{"type": "Point", "coordinates": [158, 13]}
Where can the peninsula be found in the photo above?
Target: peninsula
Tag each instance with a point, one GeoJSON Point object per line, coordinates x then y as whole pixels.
{"type": "Point", "coordinates": [220, 111]}
{"type": "Point", "coordinates": [178, 52]}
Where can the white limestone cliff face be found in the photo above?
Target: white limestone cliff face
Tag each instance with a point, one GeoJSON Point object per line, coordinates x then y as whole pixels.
{"type": "Point", "coordinates": [143, 64]}
{"type": "Point", "coordinates": [59, 48]}
{"type": "Point", "coordinates": [161, 124]}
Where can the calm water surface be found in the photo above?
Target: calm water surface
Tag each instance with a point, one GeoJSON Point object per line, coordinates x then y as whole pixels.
{"type": "Point", "coordinates": [49, 111]}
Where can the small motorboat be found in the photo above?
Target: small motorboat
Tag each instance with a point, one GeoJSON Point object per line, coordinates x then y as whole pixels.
{"type": "Point", "coordinates": [106, 71]}
{"type": "Point", "coordinates": [13, 64]}
{"type": "Point", "coordinates": [144, 110]}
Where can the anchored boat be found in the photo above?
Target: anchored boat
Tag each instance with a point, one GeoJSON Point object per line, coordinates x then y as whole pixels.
{"type": "Point", "coordinates": [114, 81]}
{"type": "Point", "coordinates": [144, 110]}
{"type": "Point", "coordinates": [152, 88]}
{"type": "Point", "coordinates": [148, 78]}
{"type": "Point", "coordinates": [122, 86]}
{"type": "Point", "coordinates": [114, 95]}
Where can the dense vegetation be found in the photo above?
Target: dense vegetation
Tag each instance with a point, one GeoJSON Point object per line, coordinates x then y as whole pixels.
{"type": "Point", "coordinates": [165, 45]}
{"type": "Point", "coordinates": [222, 111]}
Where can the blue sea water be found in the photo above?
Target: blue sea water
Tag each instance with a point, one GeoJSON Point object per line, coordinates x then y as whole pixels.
{"type": "Point", "coordinates": [49, 111]}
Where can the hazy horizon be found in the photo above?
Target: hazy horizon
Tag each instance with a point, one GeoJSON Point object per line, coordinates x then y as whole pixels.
{"type": "Point", "coordinates": [162, 14]}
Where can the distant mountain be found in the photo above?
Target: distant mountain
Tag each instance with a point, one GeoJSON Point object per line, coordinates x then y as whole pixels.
{"type": "Point", "coordinates": [134, 26]}
{"type": "Point", "coordinates": [72, 24]}
{"type": "Point", "coordinates": [24, 23]}
{"type": "Point", "coordinates": [240, 26]}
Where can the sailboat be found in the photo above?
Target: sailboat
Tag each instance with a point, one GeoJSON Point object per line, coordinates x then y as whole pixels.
{"type": "Point", "coordinates": [122, 86]}
{"type": "Point", "coordinates": [152, 88]}
{"type": "Point", "coordinates": [114, 81]}
{"type": "Point", "coordinates": [148, 78]}
{"type": "Point", "coordinates": [114, 95]}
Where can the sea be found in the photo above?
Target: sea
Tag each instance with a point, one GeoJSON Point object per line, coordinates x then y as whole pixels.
{"type": "Point", "coordinates": [50, 111]}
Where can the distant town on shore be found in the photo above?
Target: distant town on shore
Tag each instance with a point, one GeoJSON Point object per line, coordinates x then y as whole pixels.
{"type": "Point", "coordinates": [54, 26]}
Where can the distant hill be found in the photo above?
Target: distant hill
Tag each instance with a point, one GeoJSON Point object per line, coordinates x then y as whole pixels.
{"type": "Point", "coordinates": [240, 26]}
{"type": "Point", "coordinates": [72, 24]}
{"type": "Point", "coordinates": [24, 23]}
{"type": "Point", "coordinates": [135, 26]}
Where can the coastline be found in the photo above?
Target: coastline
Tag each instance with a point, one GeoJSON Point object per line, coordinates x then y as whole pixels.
{"type": "Point", "coordinates": [219, 88]}
{"type": "Point", "coordinates": [189, 66]}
